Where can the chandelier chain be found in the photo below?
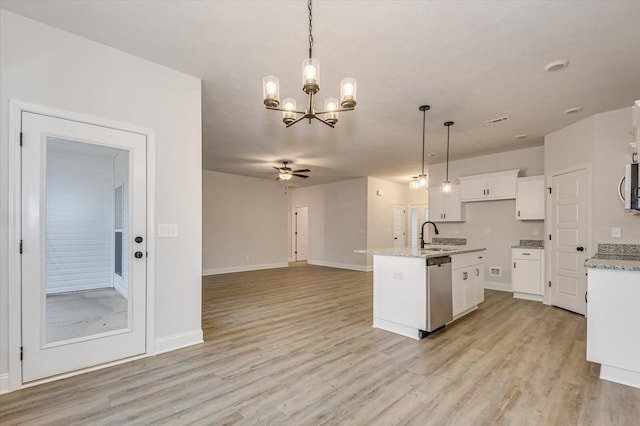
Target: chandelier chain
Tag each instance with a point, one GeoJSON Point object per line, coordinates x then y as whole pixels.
{"type": "Point", "coordinates": [310, 28]}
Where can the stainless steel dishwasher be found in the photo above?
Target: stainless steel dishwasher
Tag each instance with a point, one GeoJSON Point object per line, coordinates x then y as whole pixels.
{"type": "Point", "coordinates": [439, 293]}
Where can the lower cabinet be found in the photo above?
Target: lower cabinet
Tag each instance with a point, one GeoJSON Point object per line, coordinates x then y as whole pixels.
{"type": "Point", "coordinates": [527, 273]}
{"type": "Point", "coordinates": [467, 281]}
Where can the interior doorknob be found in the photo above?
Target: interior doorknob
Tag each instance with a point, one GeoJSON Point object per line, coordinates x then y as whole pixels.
{"type": "Point", "coordinates": [138, 255]}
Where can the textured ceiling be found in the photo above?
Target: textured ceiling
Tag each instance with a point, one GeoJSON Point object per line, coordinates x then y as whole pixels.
{"type": "Point", "coordinates": [471, 61]}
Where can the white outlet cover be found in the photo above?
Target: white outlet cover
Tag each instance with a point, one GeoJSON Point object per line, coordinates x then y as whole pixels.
{"type": "Point", "coordinates": [616, 232]}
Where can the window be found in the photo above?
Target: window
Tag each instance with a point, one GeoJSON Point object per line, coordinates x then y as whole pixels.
{"type": "Point", "coordinates": [117, 225]}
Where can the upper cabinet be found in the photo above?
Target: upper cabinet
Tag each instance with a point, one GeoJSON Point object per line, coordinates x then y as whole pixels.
{"type": "Point", "coordinates": [489, 186]}
{"type": "Point", "coordinates": [530, 199]}
{"type": "Point", "coordinates": [445, 206]}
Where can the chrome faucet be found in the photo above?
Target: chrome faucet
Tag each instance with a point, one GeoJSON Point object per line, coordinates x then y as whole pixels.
{"type": "Point", "coordinates": [435, 228]}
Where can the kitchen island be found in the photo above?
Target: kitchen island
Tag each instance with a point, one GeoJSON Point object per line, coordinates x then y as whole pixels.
{"type": "Point", "coordinates": [613, 312]}
{"type": "Point", "coordinates": [401, 287]}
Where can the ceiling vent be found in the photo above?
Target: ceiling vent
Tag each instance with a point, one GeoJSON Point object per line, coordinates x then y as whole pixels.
{"type": "Point", "coordinates": [496, 120]}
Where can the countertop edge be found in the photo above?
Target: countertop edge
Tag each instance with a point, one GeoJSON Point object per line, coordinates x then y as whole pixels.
{"type": "Point", "coordinates": [415, 253]}
{"type": "Point", "coordinates": [616, 264]}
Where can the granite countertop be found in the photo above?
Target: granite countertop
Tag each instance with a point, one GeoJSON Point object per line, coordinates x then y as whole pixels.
{"type": "Point", "coordinates": [624, 257]}
{"type": "Point", "coordinates": [432, 250]}
{"type": "Point", "coordinates": [530, 244]}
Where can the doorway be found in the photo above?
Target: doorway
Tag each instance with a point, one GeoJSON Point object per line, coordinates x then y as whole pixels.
{"type": "Point", "coordinates": [83, 245]}
{"type": "Point", "coordinates": [399, 226]}
{"type": "Point", "coordinates": [300, 234]}
{"type": "Point", "coordinates": [568, 234]}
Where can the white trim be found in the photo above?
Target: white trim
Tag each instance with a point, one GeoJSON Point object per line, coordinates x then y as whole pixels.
{"type": "Point", "coordinates": [4, 383]}
{"type": "Point", "coordinates": [292, 259]}
{"type": "Point", "coordinates": [493, 285]}
{"type": "Point", "coordinates": [361, 268]}
{"type": "Point", "coordinates": [16, 108]}
{"type": "Point", "coordinates": [119, 287]}
{"type": "Point", "coordinates": [177, 341]}
{"type": "Point", "coordinates": [527, 296]}
{"type": "Point", "coordinates": [620, 375]}
{"type": "Point", "coordinates": [243, 268]}
{"type": "Point", "coordinates": [394, 327]}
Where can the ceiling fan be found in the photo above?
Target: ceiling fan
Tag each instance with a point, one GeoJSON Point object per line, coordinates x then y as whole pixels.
{"type": "Point", "coordinates": [285, 172]}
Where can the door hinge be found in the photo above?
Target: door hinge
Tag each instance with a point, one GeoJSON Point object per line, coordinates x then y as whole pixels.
{"type": "Point", "coordinates": [549, 188]}
{"type": "Point", "coordinates": [21, 353]}
{"type": "Point", "coordinates": [549, 284]}
{"type": "Point", "coordinates": [549, 237]}
{"type": "Point", "coordinates": [20, 138]}
{"type": "Point", "coordinates": [20, 246]}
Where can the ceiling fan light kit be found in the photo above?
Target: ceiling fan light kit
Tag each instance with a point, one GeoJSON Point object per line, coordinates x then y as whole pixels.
{"type": "Point", "coordinates": [286, 173]}
{"type": "Point", "coordinates": [310, 85]}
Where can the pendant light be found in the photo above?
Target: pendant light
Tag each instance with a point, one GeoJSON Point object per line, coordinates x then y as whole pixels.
{"type": "Point", "coordinates": [446, 185]}
{"type": "Point", "coordinates": [310, 85]}
{"type": "Point", "coordinates": [420, 181]}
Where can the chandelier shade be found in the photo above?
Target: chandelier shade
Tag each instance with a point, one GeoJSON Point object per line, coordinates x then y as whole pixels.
{"type": "Point", "coordinates": [310, 85]}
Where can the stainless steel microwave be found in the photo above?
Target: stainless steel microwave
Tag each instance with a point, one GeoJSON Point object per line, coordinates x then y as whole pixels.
{"type": "Point", "coordinates": [632, 189]}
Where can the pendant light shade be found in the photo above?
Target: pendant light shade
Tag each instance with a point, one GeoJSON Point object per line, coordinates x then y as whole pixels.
{"type": "Point", "coordinates": [446, 185]}
{"type": "Point", "coordinates": [420, 181]}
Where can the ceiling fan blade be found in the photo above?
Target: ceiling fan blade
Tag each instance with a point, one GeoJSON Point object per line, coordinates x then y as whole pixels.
{"type": "Point", "coordinates": [302, 171]}
{"type": "Point", "coordinates": [277, 168]}
{"type": "Point", "coordinates": [302, 176]}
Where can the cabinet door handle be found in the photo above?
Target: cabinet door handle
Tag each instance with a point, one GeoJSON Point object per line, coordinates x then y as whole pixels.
{"type": "Point", "coordinates": [514, 265]}
{"type": "Point", "coordinates": [518, 213]}
{"type": "Point", "coordinates": [488, 191]}
{"type": "Point", "coordinates": [585, 297]}
{"type": "Point", "coordinates": [526, 254]}
{"type": "Point", "coordinates": [465, 275]}
{"type": "Point", "coordinates": [477, 272]}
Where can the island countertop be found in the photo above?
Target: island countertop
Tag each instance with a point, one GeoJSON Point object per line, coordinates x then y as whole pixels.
{"type": "Point", "coordinates": [625, 257]}
{"type": "Point", "coordinates": [429, 251]}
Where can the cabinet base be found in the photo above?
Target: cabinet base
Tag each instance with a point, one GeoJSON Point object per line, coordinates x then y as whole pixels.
{"type": "Point", "coordinates": [620, 375]}
{"type": "Point", "coordinates": [401, 329]}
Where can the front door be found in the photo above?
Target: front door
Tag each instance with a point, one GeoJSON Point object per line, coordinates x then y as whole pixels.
{"type": "Point", "coordinates": [83, 245]}
{"type": "Point", "coordinates": [569, 235]}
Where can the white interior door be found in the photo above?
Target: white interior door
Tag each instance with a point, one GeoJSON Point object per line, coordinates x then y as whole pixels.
{"type": "Point", "coordinates": [301, 233]}
{"type": "Point", "coordinates": [399, 225]}
{"type": "Point", "coordinates": [419, 213]}
{"type": "Point", "coordinates": [569, 236]}
{"type": "Point", "coordinates": [83, 245]}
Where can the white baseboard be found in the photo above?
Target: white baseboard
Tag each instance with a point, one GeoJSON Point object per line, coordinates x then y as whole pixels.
{"type": "Point", "coordinates": [4, 383]}
{"type": "Point", "coordinates": [244, 268]}
{"type": "Point", "coordinates": [527, 296]}
{"type": "Point", "coordinates": [71, 288]}
{"type": "Point", "coordinates": [492, 285]}
{"type": "Point", "coordinates": [361, 268]}
{"type": "Point", "coordinates": [120, 288]}
{"type": "Point", "coordinates": [177, 341]}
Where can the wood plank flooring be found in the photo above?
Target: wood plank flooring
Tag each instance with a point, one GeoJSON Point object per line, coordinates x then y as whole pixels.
{"type": "Point", "coordinates": [294, 346]}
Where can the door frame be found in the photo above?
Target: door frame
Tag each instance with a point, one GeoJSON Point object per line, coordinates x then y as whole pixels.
{"type": "Point", "coordinates": [548, 252]}
{"type": "Point", "coordinates": [294, 237]}
{"type": "Point", "coordinates": [16, 108]}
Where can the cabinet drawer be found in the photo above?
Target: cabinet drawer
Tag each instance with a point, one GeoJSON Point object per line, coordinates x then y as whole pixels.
{"type": "Point", "coordinates": [467, 259]}
{"type": "Point", "coordinates": [527, 254]}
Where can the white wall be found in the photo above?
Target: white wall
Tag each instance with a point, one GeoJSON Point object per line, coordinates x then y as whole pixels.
{"type": "Point", "coordinates": [46, 66]}
{"type": "Point", "coordinates": [380, 212]}
{"type": "Point", "coordinates": [601, 143]}
{"type": "Point", "coordinates": [498, 218]}
{"type": "Point", "coordinates": [244, 223]}
{"type": "Point", "coordinates": [79, 221]}
{"type": "Point", "coordinates": [337, 222]}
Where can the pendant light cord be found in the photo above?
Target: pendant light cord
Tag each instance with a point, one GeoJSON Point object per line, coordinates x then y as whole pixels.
{"type": "Point", "coordinates": [448, 130]}
{"type": "Point", "coordinates": [310, 28]}
{"type": "Point", "coordinates": [424, 120]}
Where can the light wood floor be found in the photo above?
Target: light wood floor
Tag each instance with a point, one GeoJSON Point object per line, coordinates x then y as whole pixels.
{"type": "Point", "coordinates": [295, 346]}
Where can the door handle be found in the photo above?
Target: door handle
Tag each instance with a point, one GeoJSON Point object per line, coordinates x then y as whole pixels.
{"type": "Point", "coordinates": [477, 272]}
{"type": "Point", "coordinates": [465, 275]}
{"type": "Point", "coordinates": [138, 255]}
{"type": "Point", "coordinates": [138, 239]}
{"type": "Point", "coordinates": [580, 248]}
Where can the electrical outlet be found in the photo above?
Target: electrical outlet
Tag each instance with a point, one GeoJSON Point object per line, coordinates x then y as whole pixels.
{"type": "Point", "coordinates": [536, 232]}
{"type": "Point", "coordinates": [487, 231]}
{"type": "Point", "coordinates": [398, 275]}
{"type": "Point", "coordinates": [616, 232]}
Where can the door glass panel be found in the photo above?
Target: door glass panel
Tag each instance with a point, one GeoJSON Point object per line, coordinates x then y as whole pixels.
{"type": "Point", "coordinates": [86, 240]}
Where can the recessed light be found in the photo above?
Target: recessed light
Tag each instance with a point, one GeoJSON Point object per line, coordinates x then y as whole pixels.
{"type": "Point", "coordinates": [573, 110]}
{"type": "Point", "coordinates": [521, 136]}
{"type": "Point", "coordinates": [557, 65]}
{"type": "Point", "coordinates": [432, 154]}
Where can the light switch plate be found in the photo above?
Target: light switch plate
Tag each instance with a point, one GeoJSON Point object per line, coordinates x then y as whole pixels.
{"type": "Point", "coordinates": [616, 232]}
{"type": "Point", "coordinates": [167, 230]}
{"type": "Point", "coordinates": [536, 232]}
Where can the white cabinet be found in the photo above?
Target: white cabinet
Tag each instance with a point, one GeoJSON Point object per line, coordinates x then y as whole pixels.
{"type": "Point", "coordinates": [488, 186]}
{"type": "Point", "coordinates": [530, 198]}
{"type": "Point", "coordinates": [613, 321]}
{"type": "Point", "coordinates": [467, 282]}
{"type": "Point", "coordinates": [527, 273]}
{"type": "Point", "coordinates": [445, 206]}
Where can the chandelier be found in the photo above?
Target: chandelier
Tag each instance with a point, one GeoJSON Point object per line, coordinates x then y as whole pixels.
{"type": "Point", "coordinates": [310, 85]}
{"type": "Point", "coordinates": [420, 181]}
